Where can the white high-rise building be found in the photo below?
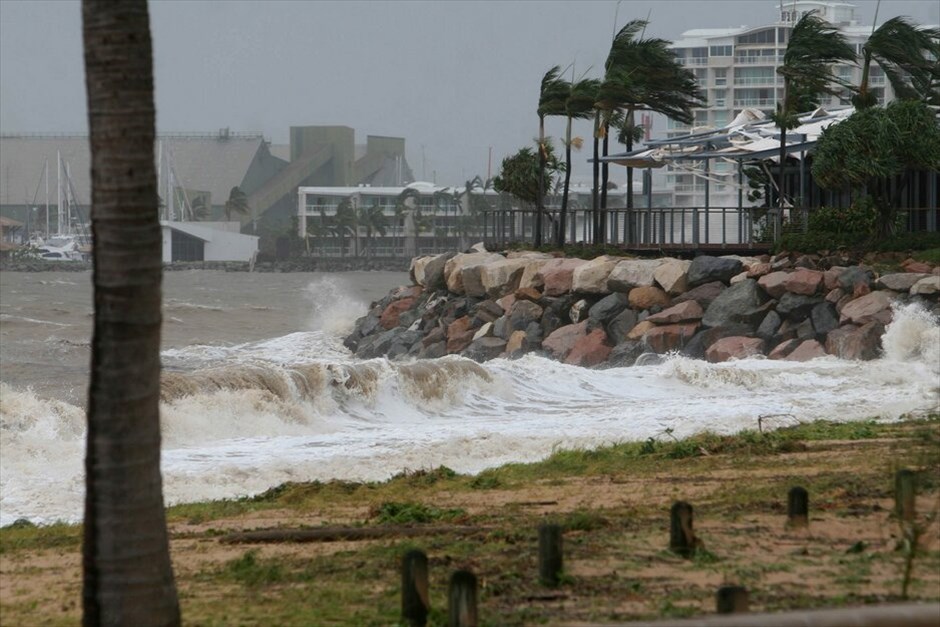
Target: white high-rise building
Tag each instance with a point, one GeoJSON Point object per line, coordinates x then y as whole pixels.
{"type": "Point", "coordinates": [736, 68]}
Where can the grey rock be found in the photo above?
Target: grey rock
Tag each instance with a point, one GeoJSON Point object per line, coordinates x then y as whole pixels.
{"type": "Point", "coordinates": [743, 302]}
{"type": "Point", "coordinates": [704, 295]}
{"type": "Point", "coordinates": [769, 327]}
{"type": "Point", "coordinates": [488, 311]}
{"type": "Point", "coordinates": [824, 318]}
{"type": "Point", "coordinates": [485, 348]}
{"type": "Point", "coordinates": [797, 306]}
{"type": "Point", "coordinates": [696, 347]}
{"type": "Point", "coordinates": [805, 330]}
{"type": "Point", "coordinates": [855, 275]}
{"type": "Point", "coordinates": [434, 278]}
{"type": "Point", "coordinates": [502, 328]}
{"type": "Point", "coordinates": [524, 312]}
{"type": "Point", "coordinates": [621, 325]}
{"type": "Point", "coordinates": [705, 269]}
{"type": "Point", "coordinates": [626, 353]}
{"type": "Point", "coordinates": [433, 351]}
{"type": "Point", "coordinates": [608, 307]}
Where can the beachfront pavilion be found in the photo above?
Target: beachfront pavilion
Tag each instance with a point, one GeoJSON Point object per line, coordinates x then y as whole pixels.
{"type": "Point", "coordinates": [749, 141]}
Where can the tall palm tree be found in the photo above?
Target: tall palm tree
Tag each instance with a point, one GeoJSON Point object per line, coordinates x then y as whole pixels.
{"type": "Point", "coordinates": [346, 222]}
{"type": "Point", "coordinates": [908, 56]}
{"type": "Point", "coordinates": [552, 95]}
{"type": "Point", "coordinates": [126, 569]}
{"type": "Point", "coordinates": [579, 104]}
{"type": "Point", "coordinates": [374, 220]}
{"type": "Point", "coordinates": [806, 70]}
{"type": "Point", "coordinates": [640, 74]}
{"type": "Point", "coordinates": [237, 203]}
{"type": "Point", "coordinates": [200, 207]}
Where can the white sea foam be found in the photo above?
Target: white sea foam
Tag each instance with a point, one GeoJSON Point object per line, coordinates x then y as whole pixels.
{"type": "Point", "coordinates": [300, 408]}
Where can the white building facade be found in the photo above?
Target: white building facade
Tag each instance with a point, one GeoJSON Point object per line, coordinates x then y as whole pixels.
{"type": "Point", "coordinates": [206, 241]}
{"type": "Point", "coordinates": [736, 68]}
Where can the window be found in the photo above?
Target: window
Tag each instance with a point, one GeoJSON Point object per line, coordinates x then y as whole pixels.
{"type": "Point", "coordinates": [721, 51]}
{"type": "Point", "coordinates": [783, 35]}
{"type": "Point", "coordinates": [766, 36]}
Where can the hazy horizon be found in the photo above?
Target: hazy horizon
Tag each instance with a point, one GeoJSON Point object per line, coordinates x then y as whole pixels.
{"type": "Point", "coordinates": [453, 79]}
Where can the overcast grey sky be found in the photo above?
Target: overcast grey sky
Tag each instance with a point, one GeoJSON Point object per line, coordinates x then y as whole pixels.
{"type": "Point", "coordinates": [453, 78]}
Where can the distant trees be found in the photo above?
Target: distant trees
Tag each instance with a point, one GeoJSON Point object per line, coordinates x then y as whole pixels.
{"type": "Point", "coordinates": [237, 203]}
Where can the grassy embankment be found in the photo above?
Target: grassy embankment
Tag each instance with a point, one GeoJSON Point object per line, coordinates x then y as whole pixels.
{"type": "Point", "coordinates": [613, 503]}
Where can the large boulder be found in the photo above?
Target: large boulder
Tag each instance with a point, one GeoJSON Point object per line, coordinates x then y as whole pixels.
{"type": "Point", "coordinates": [705, 337]}
{"type": "Point", "coordinates": [591, 277]}
{"type": "Point", "coordinates": [562, 340]}
{"type": "Point", "coordinates": [669, 337]}
{"type": "Point", "coordinates": [501, 277]}
{"type": "Point", "coordinates": [485, 348]}
{"type": "Point", "coordinates": [704, 295]}
{"type": "Point", "coordinates": [856, 342]}
{"type": "Point", "coordinates": [608, 307]}
{"type": "Point", "coordinates": [807, 350]}
{"type": "Point", "coordinates": [804, 281]}
{"type": "Point", "coordinates": [741, 303]}
{"type": "Point", "coordinates": [454, 270]}
{"type": "Point", "coordinates": [557, 275]}
{"type": "Point", "coordinates": [831, 277]}
{"type": "Point", "coordinates": [825, 319]}
{"type": "Point", "coordinates": [900, 281]}
{"type": "Point", "coordinates": [523, 313]}
{"type": "Point", "coordinates": [927, 286]}
{"type": "Point", "coordinates": [621, 325]}
{"type": "Point", "coordinates": [531, 276]}
{"type": "Point", "coordinates": [705, 269]}
{"type": "Point", "coordinates": [632, 273]}
{"type": "Point", "coordinates": [590, 350]}
{"type": "Point", "coordinates": [770, 325]}
{"type": "Point", "coordinates": [626, 353]}
{"type": "Point", "coordinates": [797, 306]}
{"type": "Point", "coordinates": [459, 334]}
{"type": "Point", "coordinates": [873, 306]}
{"type": "Point", "coordinates": [646, 297]}
{"type": "Point", "coordinates": [390, 316]}
{"type": "Point", "coordinates": [672, 275]}
{"type": "Point", "coordinates": [488, 311]}
{"type": "Point", "coordinates": [683, 312]}
{"type": "Point", "coordinates": [416, 271]}
{"type": "Point", "coordinates": [784, 348]}
{"type": "Point", "coordinates": [735, 347]}
{"type": "Point", "coordinates": [854, 278]}
{"type": "Point", "coordinates": [774, 283]}
{"type": "Point", "coordinates": [434, 272]}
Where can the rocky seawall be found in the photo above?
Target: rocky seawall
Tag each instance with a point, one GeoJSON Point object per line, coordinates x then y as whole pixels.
{"type": "Point", "coordinates": [302, 264]}
{"type": "Point", "coordinates": [611, 310]}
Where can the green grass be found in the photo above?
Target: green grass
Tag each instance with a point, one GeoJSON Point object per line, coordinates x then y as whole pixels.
{"type": "Point", "coordinates": [931, 255]}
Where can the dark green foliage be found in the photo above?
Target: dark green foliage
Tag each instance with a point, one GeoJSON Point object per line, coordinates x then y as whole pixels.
{"type": "Point", "coordinates": [403, 513]}
{"type": "Point", "coordinates": [907, 55]}
{"type": "Point", "coordinates": [250, 571]}
{"type": "Point", "coordinates": [519, 173]}
{"type": "Point", "coordinates": [859, 218]}
{"type": "Point", "coordinates": [877, 144]}
{"type": "Point", "coordinates": [816, 241]}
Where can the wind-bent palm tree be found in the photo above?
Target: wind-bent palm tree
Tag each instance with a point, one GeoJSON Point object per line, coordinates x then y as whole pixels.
{"type": "Point", "coordinates": [552, 94]}
{"type": "Point", "coordinates": [807, 72]}
{"type": "Point", "coordinates": [126, 569]}
{"type": "Point", "coordinates": [237, 203]}
{"type": "Point", "coordinates": [200, 208]}
{"type": "Point", "coordinates": [374, 220]}
{"type": "Point", "coordinates": [908, 56]}
{"type": "Point", "coordinates": [639, 74]}
{"type": "Point", "coordinates": [579, 104]}
{"type": "Point", "coordinates": [346, 222]}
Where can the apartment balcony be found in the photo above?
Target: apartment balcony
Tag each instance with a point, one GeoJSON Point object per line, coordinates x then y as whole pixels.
{"type": "Point", "coordinates": [876, 80]}
{"type": "Point", "coordinates": [770, 60]}
{"type": "Point", "coordinates": [693, 61]}
{"type": "Point", "coordinates": [755, 102]}
{"type": "Point", "coordinates": [758, 81]}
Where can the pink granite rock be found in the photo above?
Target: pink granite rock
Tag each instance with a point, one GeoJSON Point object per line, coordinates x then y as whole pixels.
{"type": "Point", "coordinates": [590, 350]}
{"type": "Point", "coordinates": [557, 275]}
{"type": "Point", "coordinates": [803, 281]}
{"type": "Point", "coordinates": [563, 339]}
{"type": "Point", "coordinates": [389, 317]}
{"type": "Point", "coordinates": [810, 349]}
{"type": "Point", "coordinates": [735, 347]}
{"type": "Point", "coordinates": [774, 283]}
{"type": "Point", "coordinates": [670, 337]}
{"type": "Point", "coordinates": [689, 310]}
{"type": "Point", "coordinates": [866, 308]}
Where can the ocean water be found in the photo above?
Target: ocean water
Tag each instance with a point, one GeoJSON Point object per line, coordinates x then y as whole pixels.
{"type": "Point", "coordinates": [258, 390]}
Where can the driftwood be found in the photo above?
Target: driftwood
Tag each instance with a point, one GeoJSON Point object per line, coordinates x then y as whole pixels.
{"type": "Point", "coordinates": [337, 534]}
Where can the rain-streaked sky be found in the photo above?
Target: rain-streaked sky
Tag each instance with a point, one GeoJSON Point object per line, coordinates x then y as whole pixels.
{"type": "Point", "coordinates": [454, 78]}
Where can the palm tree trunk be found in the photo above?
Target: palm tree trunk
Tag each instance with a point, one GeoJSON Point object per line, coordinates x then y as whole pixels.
{"type": "Point", "coordinates": [605, 177]}
{"type": "Point", "coordinates": [595, 217]}
{"type": "Point", "coordinates": [563, 216]}
{"type": "Point", "coordinates": [539, 202]}
{"type": "Point", "coordinates": [126, 568]}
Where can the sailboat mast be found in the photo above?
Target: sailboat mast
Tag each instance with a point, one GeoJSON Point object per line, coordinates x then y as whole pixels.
{"type": "Point", "coordinates": [159, 167]}
{"type": "Point", "coordinates": [58, 185]}
{"type": "Point", "coordinates": [68, 199]}
{"type": "Point", "coordinates": [46, 170]}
